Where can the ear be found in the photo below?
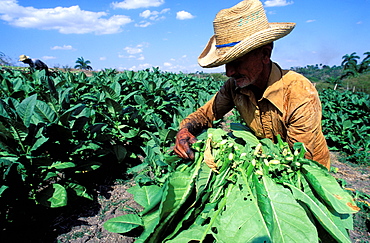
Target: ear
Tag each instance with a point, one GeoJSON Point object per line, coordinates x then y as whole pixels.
{"type": "Point", "coordinates": [266, 54]}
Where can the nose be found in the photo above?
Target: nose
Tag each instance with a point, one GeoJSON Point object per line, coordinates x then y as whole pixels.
{"type": "Point", "coordinates": [230, 69]}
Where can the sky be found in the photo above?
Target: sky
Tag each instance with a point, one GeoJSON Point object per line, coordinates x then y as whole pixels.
{"type": "Point", "coordinates": [171, 34]}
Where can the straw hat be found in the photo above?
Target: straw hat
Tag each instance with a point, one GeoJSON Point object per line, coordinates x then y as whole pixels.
{"type": "Point", "coordinates": [239, 30]}
{"type": "Point", "coordinates": [23, 57]}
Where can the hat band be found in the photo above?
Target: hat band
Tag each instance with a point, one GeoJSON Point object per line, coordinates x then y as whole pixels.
{"type": "Point", "coordinates": [227, 44]}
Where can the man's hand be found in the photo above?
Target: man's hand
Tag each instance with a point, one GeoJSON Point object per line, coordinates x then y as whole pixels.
{"type": "Point", "coordinates": [183, 141]}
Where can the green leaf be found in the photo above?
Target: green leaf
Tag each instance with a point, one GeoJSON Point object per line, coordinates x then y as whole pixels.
{"type": "Point", "coordinates": [177, 190]}
{"type": "Point", "coordinates": [43, 113]}
{"type": "Point", "coordinates": [347, 124]}
{"type": "Point", "coordinates": [54, 196]}
{"type": "Point", "coordinates": [140, 100]}
{"type": "Point", "coordinates": [120, 152]}
{"type": "Point", "coordinates": [146, 196]}
{"type": "Point", "coordinates": [241, 219]}
{"type": "Point", "coordinates": [329, 190]}
{"type": "Point", "coordinates": [290, 221]}
{"type": "Point", "coordinates": [194, 234]}
{"type": "Point", "coordinates": [123, 224]}
{"type": "Point", "coordinates": [150, 220]}
{"type": "Point", "coordinates": [247, 136]}
{"type": "Point", "coordinates": [62, 165]}
{"type": "Point", "coordinates": [324, 217]}
{"type": "Point", "coordinates": [2, 189]}
{"type": "Point", "coordinates": [26, 109]}
{"type": "Point", "coordinates": [80, 190]}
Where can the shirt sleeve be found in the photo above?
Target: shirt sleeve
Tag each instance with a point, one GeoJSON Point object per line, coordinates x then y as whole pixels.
{"type": "Point", "coordinates": [214, 109]}
{"type": "Point", "coordinates": [304, 125]}
{"type": "Point", "coordinates": [39, 65]}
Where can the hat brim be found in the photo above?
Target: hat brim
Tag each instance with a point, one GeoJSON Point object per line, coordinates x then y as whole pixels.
{"type": "Point", "coordinates": [210, 56]}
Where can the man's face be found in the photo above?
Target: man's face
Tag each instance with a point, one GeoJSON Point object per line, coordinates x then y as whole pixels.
{"type": "Point", "coordinates": [246, 70]}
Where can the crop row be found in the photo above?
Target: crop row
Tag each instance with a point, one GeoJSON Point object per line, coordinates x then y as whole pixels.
{"type": "Point", "coordinates": [56, 129]}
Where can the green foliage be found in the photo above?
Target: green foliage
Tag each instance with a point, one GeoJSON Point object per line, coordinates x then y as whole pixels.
{"type": "Point", "coordinates": [83, 64]}
{"type": "Point", "coordinates": [346, 119]}
{"type": "Point", "coordinates": [360, 83]}
{"type": "Point", "coordinates": [320, 73]}
{"type": "Point", "coordinates": [263, 192]}
{"type": "Point", "coordinates": [54, 142]}
{"type": "Point", "coordinates": [351, 66]}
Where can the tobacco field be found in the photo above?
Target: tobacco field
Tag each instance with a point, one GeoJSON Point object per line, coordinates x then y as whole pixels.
{"type": "Point", "coordinates": [63, 135]}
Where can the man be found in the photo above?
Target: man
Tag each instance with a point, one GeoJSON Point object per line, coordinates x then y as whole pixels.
{"type": "Point", "coordinates": [271, 101]}
{"type": "Point", "coordinates": [35, 64]}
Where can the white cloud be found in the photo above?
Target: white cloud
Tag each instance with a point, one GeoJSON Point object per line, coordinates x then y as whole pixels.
{"type": "Point", "coordinates": [277, 3]}
{"type": "Point", "coordinates": [48, 57]}
{"type": "Point", "coordinates": [64, 47]}
{"type": "Point", "coordinates": [133, 50]}
{"type": "Point", "coordinates": [146, 14]}
{"type": "Point", "coordinates": [167, 64]}
{"type": "Point", "coordinates": [66, 20]}
{"type": "Point", "coordinates": [141, 67]}
{"type": "Point", "coordinates": [184, 15]}
{"type": "Point", "coordinates": [141, 57]}
{"type": "Point", "coordinates": [133, 4]}
{"type": "Point", "coordinates": [143, 24]}
{"type": "Point", "coordinates": [359, 22]}
{"type": "Point", "coordinates": [102, 58]}
{"type": "Point", "coordinates": [154, 15]}
{"type": "Point", "coordinates": [310, 20]}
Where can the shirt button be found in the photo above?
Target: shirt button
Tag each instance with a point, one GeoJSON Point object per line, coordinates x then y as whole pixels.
{"type": "Point", "coordinates": [257, 112]}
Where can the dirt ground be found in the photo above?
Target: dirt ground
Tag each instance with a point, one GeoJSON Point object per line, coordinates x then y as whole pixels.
{"type": "Point", "coordinates": [83, 222]}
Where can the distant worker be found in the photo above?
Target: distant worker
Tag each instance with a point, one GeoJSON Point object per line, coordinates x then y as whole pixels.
{"type": "Point", "coordinates": [35, 64]}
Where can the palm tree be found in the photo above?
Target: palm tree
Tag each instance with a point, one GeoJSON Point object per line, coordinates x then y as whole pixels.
{"type": "Point", "coordinates": [349, 61]}
{"type": "Point", "coordinates": [365, 64]}
{"type": "Point", "coordinates": [349, 64]}
{"type": "Point", "coordinates": [82, 64]}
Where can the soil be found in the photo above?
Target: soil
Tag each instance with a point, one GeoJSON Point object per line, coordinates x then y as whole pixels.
{"type": "Point", "coordinates": [83, 220]}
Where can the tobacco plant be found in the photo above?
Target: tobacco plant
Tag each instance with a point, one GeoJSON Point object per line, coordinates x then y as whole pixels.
{"type": "Point", "coordinates": [59, 132]}
{"type": "Point", "coordinates": [258, 192]}
{"type": "Point", "coordinates": [346, 119]}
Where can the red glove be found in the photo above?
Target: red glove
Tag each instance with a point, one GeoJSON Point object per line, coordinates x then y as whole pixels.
{"type": "Point", "coordinates": [183, 141]}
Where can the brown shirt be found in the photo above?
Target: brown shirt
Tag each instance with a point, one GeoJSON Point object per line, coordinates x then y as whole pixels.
{"type": "Point", "coordinates": [290, 106]}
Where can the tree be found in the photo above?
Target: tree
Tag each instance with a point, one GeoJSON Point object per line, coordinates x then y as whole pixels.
{"type": "Point", "coordinates": [349, 61]}
{"type": "Point", "coordinates": [365, 64]}
{"type": "Point", "coordinates": [349, 64]}
{"type": "Point", "coordinates": [82, 64]}
{"type": "Point", "coordinates": [4, 60]}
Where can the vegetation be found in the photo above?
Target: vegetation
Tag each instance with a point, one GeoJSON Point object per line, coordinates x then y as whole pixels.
{"type": "Point", "coordinates": [352, 68]}
{"type": "Point", "coordinates": [51, 143]}
{"type": "Point", "coordinates": [320, 73]}
{"type": "Point", "coordinates": [4, 60]}
{"type": "Point", "coordinates": [260, 192]}
{"type": "Point", "coordinates": [83, 64]}
{"type": "Point", "coordinates": [54, 144]}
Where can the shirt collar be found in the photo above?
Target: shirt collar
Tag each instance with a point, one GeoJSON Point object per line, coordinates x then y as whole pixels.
{"type": "Point", "coordinates": [274, 92]}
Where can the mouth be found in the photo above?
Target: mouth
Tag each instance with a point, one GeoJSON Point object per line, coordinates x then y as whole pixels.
{"type": "Point", "coordinates": [239, 80]}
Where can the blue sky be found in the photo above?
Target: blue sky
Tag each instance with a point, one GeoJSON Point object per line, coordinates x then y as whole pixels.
{"type": "Point", "coordinates": [170, 34]}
